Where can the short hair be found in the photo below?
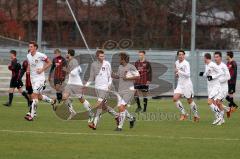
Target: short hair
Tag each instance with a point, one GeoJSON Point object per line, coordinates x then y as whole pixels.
{"type": "Point", "coordinates": [14, 52]}
{"type": "Point", "coordinates": [218, 53]}
{"type": "Point", "coordinates": [208, 56]}
{"type": "Point", "coordinates": [57, 51]}
{"type": "Point", "coordinates": [180, 51]}
{"type": "Point", "coordinates": [71, 52]}
{"type": "Point", "coordinates": [142, 51]}
{"type": "Point", "coordinates": [98, 52]}
{"type": "Point", "coordinates": [124, 56]}
{"type": "Point", "coordinates": [230, 54]}
{"type": "Point", "coordinates": [34, 44]}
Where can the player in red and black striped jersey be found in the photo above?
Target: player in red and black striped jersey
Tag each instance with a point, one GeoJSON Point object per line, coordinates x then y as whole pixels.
{"type": "Point", "coordinates": [142, 84]}
{"type": "Point", "coordinates": [15, 81]}
{"type": "Point", "coordinates": [58, 65]}
{"type": "Point", "coordinates": [28, 83]}
{"type": "Point", "coordinates": [232, 66]}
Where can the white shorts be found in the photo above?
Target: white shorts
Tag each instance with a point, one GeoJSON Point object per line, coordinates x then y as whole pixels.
{"type": "Point", "coordinates": [224, 90]}
{"type": "Point", "coordinates": [38, 86]}
{"type": "Point", "coordinates": [215, 93]}
{"type": "Point", "coordinates": [125, 97]}
{"type": "Point", "coordinates": [185, 90]}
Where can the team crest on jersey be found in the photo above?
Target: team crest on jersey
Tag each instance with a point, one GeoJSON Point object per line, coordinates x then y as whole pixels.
{"type": "Point", "coordinates": [36, 61]}
{"type": "Point", "coordinates": [103, 68]}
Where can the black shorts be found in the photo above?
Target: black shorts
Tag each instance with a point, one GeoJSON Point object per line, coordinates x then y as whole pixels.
{"type": "Point", "coordinates": [16, 83]}
{"type": "Point", "coordinates": [29, 90]}
{"type": "Point", "coordinates": [231, 88]}
{"type": "Point", "coordinates": [140, 87]}
{"type": "Point", "coordinates": [58, 81]}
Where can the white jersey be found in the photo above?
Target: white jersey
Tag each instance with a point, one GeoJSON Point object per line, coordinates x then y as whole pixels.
{"type": "Point", "coordinates": [184, 86]}
{"type": "Point", "coordinates": [213, 70]}
{"type": "Point", "coordinates": [74, 76]}
{"type": "Point", "coordinates": [36, 62]}
{"type": "Point", "coordinates": [100, 73]}
{"type": "Point", "coordinates": [183, 72]}
{"type": "Point", "coordinates": [223, 79]}
{"type": "Point", "coordinates": [214, 87]}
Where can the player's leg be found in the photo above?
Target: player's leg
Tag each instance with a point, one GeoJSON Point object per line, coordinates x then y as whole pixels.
{"type": "Point", "coordinates": [24, 93]}
{"type": "Point", "coordinates": [122, 116]}
{"type": "Point", "coordinates": [10, 97]}
{"type": "Point", "coordinates": [145, 99]}
{"type": "Point", "coordinates": [33, 107]}
{"type": "Point", "coordinates": [58, 86]}
{"type": "Point", "coordinates": [179, 105]}
{"type": "Point", "coordinates": [212, 104]}
{"type": "Point", "coordinates": [88, 108]}
{"type": "Point", "coordinates": [230, 97]}
{"type": "Point", "coordinates": [194, 109]}
{"type": "Point", "coordinates": [137, 100]}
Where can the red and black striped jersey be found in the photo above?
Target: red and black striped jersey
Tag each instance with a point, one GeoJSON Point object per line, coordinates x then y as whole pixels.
{"type": "Point", "coordinates": [57, 65]}
{"type": "Point", "coordinates": [24, 70]}
{"type": "Point", "coordinates": [232, 67]}
{"type": "Point", "coordinates": [15, 68]}
{"type": "Point", "coordinates": [145, 70]}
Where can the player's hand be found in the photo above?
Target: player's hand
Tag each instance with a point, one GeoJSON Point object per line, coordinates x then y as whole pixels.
{"type": "Point", "coordinates": [148, 82]}
{"type": "Point", "coordinates": [209, 78]}
{"type": "Point", "coordinates": [39, 70]}
{"type": "Point", "coordinates": [201, 73]}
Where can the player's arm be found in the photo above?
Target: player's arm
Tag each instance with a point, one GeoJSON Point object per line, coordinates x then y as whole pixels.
{"type": "Point", "coordinates": [23, 69]}
{"type": "Point", "coordinates": [234, 65]}
{"type": "Point", "coordinates": [92, 76]}
{"type": "Point", "coordinates": [149, 73]}
{"type": "Point", "coordinates": [226, 76]}
{"type": "Point", "coordinates": [115, 75]}
{"type": "Point", "coordinates": [51, 70]}
{"type": "Point", "coordinates": [109, 76]}
{"type": "Point", "coordinates": [135, 77]}
{"type": "Point", "coordinates": [186, 72]}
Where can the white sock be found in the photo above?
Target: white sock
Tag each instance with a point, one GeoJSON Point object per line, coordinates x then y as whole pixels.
{"type": "Point", "coordinates": [215, 110]}
{"type": "Point", "coordinates": [179, 105]}
{"type": "Point", "coordinates": [222, 113]}
{"type": "Point", "coordinates": [122, 116]}
{"type": "Point", "coordinates": [87, 106]}
{"type": "Point", "coordinates": [227, 109]}
{"type": "Point", "coordinates": [46, 99]}
{"type": "Point", "coordinates": [128, 115]}
{"type": "Point", "coordinates": [112, 111]}
{"type": "Point", "coordinates": [68, 103]}
{"type": "Point", "coordinates": [194, 109]}
{"type": "Point", "coordinates": [97, 116]}
{"type": "Point", "coordinates": [34, 107]}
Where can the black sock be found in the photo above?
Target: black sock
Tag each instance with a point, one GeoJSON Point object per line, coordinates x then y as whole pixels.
{"type": "Point", "coordinates": [59, 96]}
{"type": "Point", "coordinates": [10, 98]}
{"type": "Point", "coordinates": [138, 102]}
{"type": "Point", "coordinates": [145, 101]}
{"type": "Point", "coordinates": [30, 104]}
{"type": "Point", "coordinates": [25, 95]}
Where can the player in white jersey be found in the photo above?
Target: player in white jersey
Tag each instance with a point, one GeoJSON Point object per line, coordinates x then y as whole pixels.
{"type": "Point", "coordinates": [223, 79]}
{"type": "Point", "coordinates": [184, 87]}
{"type": "Point", "coordinates": [100, 74]}
{"type": "Point", "coordinates": [38, 63]}
{"type": "Point", "coordinates": [74, 86]}
{"type": "Point", "coordinates": [213, 73]}
{"type": "Point", "coordinates": [127, 74]}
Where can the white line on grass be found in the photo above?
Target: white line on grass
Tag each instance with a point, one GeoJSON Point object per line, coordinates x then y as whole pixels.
{"type": "Point", "coordinates": [122, 135]}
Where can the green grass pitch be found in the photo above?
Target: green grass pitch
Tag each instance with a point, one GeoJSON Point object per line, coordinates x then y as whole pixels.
{"type": "Point", "coordinates": [155, 136]}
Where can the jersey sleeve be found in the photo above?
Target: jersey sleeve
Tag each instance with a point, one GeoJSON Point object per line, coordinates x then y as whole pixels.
{"type": "Point", "coordinates": [186, 72]}
{"type": "Point", "coordinates": [91, 76]}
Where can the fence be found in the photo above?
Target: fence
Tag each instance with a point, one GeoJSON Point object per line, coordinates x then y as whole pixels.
{"type": "Point", "coordinates": [162, 64]}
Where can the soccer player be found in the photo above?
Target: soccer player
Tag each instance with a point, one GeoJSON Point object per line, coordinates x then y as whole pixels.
{"type": "Point", "coordinates": [142, 84]}
{"type": "Point", "coordinates": [74, 86]}
{"type": "Point", "coordinates": [184, 87]}
{"type": "Point", "coordinates": [100, 74]}
{"type": "Point", "coordinates": [212, 73]}
{"type": "Point", "coordinates": [224, 84]}
{"type": "Point", "coordinates": [125, 89]}
{"type": "Point", "coordinates": [59, 74]}
{"type": "Point", "coordinates": [232, 66]}
{"type": "Point", "coordinates": [38, 63]}
{"type": "Point", "coordinates": [15, 81]}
